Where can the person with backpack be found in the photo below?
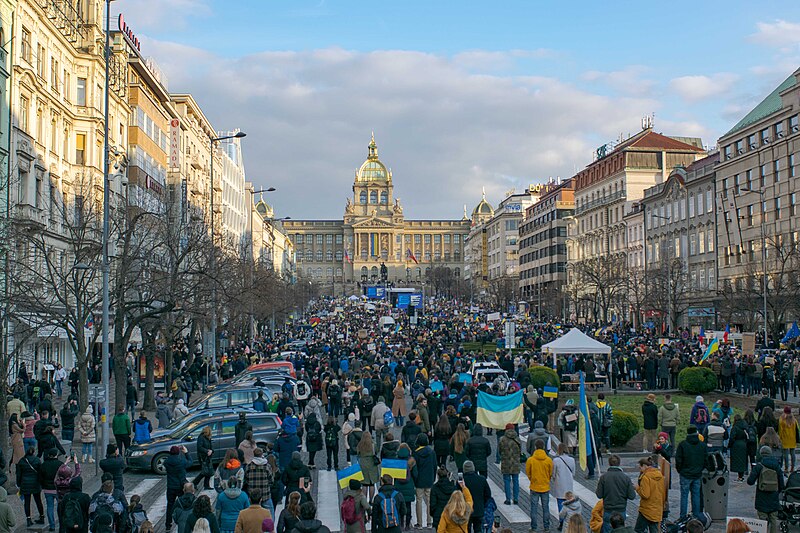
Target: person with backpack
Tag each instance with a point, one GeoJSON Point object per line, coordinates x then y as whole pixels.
{"type": "Point", "coordinates": [690, 459]}
{"type": "Point", "coordinates": [314, 439]}
{"type": "Point", "coordinates": [175, 467]}
{"type": "Point", "coordinates": [201, 509]}
{"type": "Point", "coordinates": [355, 508]}
{"type": "Point", "coordinates": [382, 419]}
{"type": "Point", "coordinates": [247, 448]}
{"type": "Point", "coordinates": [606, 415]}
{"type": "Point", "coordinates": [568, 422]}
{"type": "Point", "coordinates": [331, 432]}
{"type": "Point", "coordinates": [229, 504]}
{"type": "Point", "coordinates": [105, 510]}
{"type": "Point", "coordinates": [136, 514]}
{"type": "Point", "coordinates": [699, 417]}
{"type": "Point", "coordinates": [183, 507]}
{"type": "Point", "coordinates": [768, 479]}
{"type": "Point", "coordinates": [334, 391]}
{"type": "Point", "coordinates": [411, 430]}
{"type": "Point", "coordinates": [73, 511]}
{"type": "Point", "coordinates": [738, 447]}
{"type": "Point", "coordinates": [142, 428]}
{"type": "Point", "coordinates": [387, 507]}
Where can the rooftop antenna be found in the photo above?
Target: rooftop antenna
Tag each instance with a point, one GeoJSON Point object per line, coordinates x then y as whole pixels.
{"type": "Point", "coordinates": [647, 121]}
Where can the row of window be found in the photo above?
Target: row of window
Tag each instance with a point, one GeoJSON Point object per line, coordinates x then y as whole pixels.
{"type": "Point", "coordinates": [547, 251]}
{"type": "Point", "coordinates": [763, 138]}
{"type": "Point", "coordinates": [747, 180]}
{"type": "Point", "coordinates": [373, 197]}
{"type": "Point", "coordinates": [699, 242]}
{"type": "Point", "coordinates": [300, 238]}
{"type": "Point", "coordinates": [750, 215]}
{"type": "Point", "coordinates": [671, 212]}
{"type": "Point", "coordinates": [544, 236]}
{"type": "Point", "coordinates": [143, 121]}
{"type": "Point", "coordinates": [549, 268]}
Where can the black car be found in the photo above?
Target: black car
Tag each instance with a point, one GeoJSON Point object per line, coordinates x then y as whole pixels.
{"type": "Point", "coordinates": [151, 455]}
{"type": "Point", "coordinates": [233, 396]}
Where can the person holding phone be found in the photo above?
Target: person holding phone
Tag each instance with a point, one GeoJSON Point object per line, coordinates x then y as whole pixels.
{"type": "Point", "coordinates": [458, 511]}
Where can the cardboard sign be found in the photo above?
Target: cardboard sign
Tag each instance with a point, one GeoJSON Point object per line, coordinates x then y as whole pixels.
{"type": "Point", "coordinates": [748, 343]}
{"type": "Point", "coordinates": [362, 334]}
{"type": "Point", "coordinates": [755, 525]}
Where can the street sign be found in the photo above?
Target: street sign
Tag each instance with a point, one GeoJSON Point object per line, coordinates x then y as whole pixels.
{"type": "Point", "coordinates": [97, 392]}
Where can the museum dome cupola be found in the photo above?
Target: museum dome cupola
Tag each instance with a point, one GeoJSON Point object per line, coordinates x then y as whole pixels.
{"type": "Point", "coordinates": [483, 210]}
{"type": "Point", "coordinates": [373, 170]}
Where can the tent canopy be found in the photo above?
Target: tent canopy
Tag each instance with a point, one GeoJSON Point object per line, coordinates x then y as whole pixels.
{"type": "Point", "coordinates": [575, 341]}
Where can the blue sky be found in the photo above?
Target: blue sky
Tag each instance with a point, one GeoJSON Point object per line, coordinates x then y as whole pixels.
{"type": "Point", "coordinates": [461, 95]}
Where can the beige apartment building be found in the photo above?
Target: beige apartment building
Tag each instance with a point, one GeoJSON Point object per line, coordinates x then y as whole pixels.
{"type": "Point", "coordinates": [337, 254]}
{"type": "Point", "coordinates": [756, 182]}
{"type": "Point", "coordinates": [605, 192]}
{"type": "Point", "coordinates": [543, 249]}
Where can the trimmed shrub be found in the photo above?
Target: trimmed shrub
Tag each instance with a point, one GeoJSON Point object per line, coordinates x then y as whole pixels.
{"type": "Point", "coordinates": [697, 380]}
{"type": "Point", "coordinates": [541, 375]}
{"type": "Point", "coordinates": [623, 428]}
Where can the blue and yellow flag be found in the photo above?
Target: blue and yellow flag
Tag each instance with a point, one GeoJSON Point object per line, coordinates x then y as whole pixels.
{"type": "Point", "coordinates": [497, 411]}
{"type": "Point", "coordinates": [351, 472]}
{"type": "Point", "coordinates": [584, 427]}
{"type": "Point", "coordinates": [713, 347]}
{"type": "Point", "coordinates": [550, 391]}
{"type": "Point", "coordinates": [397, 468]}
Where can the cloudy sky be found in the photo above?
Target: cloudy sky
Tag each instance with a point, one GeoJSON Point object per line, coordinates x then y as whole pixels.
{"type": "Point", "coordinates": [460, 95]}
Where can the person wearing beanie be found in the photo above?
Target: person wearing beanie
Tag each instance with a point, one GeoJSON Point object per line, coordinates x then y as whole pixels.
{"type": "Point", "coordinates": [175, 467]}
{"type": "Point", "coordinates": [361, 505]}
{"type": "Point", "coordinates": [386, 492]}
{"type": "Point", "coordinates": [769, 482]}
{"type": "Point", "coordinates": [411, 430]}
{"type": "Point", "coordinates": [650, 415]}
{"type": "Point", "coordinates": [510, 451]}
{"type": "Point", "coordinates": [251, 519]}
{"type": "Point", "coordinates": [480, 491]}
{"type": "Point", "coordinates": [426, 476]}
{"type": "Point", "coordinates": [377, 418]}
{"type": "Point", "coordinates": [690, 459]}
{"type": "Point", "coordinates": [538, 433]}
{"type": "Point", "coordinates": [114, 464]}
{"type": "Point", "coordinates": [478, 449]}
{"type": "Point", "coordinates": [700, 415]}
{"type": "Point", "coordinates": [764, 401]}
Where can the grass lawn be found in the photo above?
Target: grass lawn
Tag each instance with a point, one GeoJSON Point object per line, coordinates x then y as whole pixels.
{"type": "Point", "coordinates": [632, 403]}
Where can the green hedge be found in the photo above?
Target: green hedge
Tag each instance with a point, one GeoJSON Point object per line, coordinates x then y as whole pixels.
{"type": "Point", "coordinates": [541, 375]}
{"type": "Point", "coordinates": [623, 428]}
{"type": "Point", "coordinates": [697, 380]}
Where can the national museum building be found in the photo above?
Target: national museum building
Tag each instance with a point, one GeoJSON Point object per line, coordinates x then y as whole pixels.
{"type": "Point", "coordinates": [373, 230]}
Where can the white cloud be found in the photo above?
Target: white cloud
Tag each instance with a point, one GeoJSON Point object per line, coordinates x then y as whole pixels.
{"type": "Point", "coordinates": [631, 80]}
{"type": "Point", "coordinates": [781, 34]}
{"type": "Point", "coordinates": [701, 87]}
{"type": "Point", "coordinates": [443, 129]}
{"type": "Point", "coordinates": [149, 16]}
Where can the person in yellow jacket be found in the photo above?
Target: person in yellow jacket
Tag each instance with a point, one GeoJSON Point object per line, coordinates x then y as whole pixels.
{"type": "Point", "coordinates": [651, 491]}
{"type": "Point", "coordinates": [596, 522]}
{"type": "Point", "coordinates": [539, 469]}
{"type": "Point", "coordinates": [787, 431]}
{"type": "Point", "coordinates": [455, 516]}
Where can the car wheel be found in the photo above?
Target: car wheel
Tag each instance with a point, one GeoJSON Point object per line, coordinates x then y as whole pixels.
{"type": "Point", "coordinates": [158, 464]}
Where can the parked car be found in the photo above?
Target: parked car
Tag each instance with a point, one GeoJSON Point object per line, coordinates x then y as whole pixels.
{"type": "Point", "coordinates": [268, 377]}
{"type": "Point", "coordinates": [180, 422]}
{"type": "Point", "coordinates": [285, 366]}
{"type": "Point", "coordinates": [234, 396]}
{"type": "Point", "coordinates": [151, 455]}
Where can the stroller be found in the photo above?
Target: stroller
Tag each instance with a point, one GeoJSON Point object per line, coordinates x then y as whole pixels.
{"type": "Point", "coordinates": [790, 503]}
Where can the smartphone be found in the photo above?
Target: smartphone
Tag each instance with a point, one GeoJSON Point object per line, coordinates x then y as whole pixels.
{"type": "Point", "coordinates": [460, 477]}
{"type": "Point", "coordinates": [497, 521]}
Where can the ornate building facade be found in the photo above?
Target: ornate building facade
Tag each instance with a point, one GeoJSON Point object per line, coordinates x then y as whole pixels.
{"type": "Point", "coordinates": [374, 231]}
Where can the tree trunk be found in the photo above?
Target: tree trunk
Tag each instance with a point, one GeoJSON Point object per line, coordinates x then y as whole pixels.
{"type": "Point", "coordinates": [150, 374]}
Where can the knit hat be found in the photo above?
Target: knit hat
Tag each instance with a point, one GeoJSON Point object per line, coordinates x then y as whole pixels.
{"type": "Point", "coordinates": [469, 467]}
{"type": "Point", "coordinates": [765, 451]}
{"type": "Point", "coordinates": [698, 399]}
{"type": "Point", "coordinates": [267, 525]}
{"type": "Point", "coordinates": [787, 409]}
{"type": "Point", "coordinates": [691, 430]}
{"type": "Point", "coordinates": [509, 426]}
{"type": "Point", "coordinates": [355, 484]}
{"type": "Point", "coordinates": [665, 435]}
{"type": "Point", "coordinates": [351, 417]}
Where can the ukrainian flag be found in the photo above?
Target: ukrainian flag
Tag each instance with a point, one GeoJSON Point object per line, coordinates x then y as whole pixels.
{"type": "Point", "coordinates": [351, 472]}
{"type": "Point", "coordinates": [497, 411]}
{"type": "Point", "coordinates": [397, 468]}
{"type": "Point", "coordinates": [584, 427]}
{"type": "Point", "coordinates": [713, 347]}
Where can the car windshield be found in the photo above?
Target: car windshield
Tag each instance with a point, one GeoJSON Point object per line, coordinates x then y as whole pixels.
{"type": "Point", "coordinates": [182, 431]}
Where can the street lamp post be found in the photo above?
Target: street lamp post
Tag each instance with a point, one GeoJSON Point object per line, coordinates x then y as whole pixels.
{"type": "Point", "coordinates": [212, 140]}
{"type": "Point", "coordinates": [765, 281]}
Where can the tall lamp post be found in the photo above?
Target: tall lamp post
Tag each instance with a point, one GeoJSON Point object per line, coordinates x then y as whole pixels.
{"type": "Point", "coordinates": [212, 140]}
{"type": "Point", "coordinates": [765, 281]}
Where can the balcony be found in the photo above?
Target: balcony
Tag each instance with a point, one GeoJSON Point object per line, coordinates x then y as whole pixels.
{"type": "Point", "coordinates": [588, 206]}
{"type": "Point", "coordinates": [195, 162]}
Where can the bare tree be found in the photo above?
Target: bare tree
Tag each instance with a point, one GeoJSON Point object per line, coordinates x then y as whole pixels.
{"type": "Point", "coordinates": [503, 291]}
{"type": "Point", "coordinates": [601, 282]}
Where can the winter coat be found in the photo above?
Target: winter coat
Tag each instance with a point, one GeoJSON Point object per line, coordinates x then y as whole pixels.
{"type": "Point", "coordinates": [286, 522]}
{"type": "Point", "coordinates": [314, 406]}
{"type": "Point", "coordinates": [668, 415]}
{"type": "Point", "coordinates": [440, 495]}
{"type": "Point", "coordinates": [410, 433]}
{"type": "Point", "coordinates": [539, 469]}
{"type": "Point", "coordinates": [441, 442]}
{"type": "Point", "coordinates": [738, 447]}
{"type": "Point", "coordinates": [292, 475]}
{"type": "Point", "coordinates": [203, 447]}
{"type": "Point", "coordinates": [83, 499]}
{"type": "Point", "coordinates": [229, 504]}
{"type": "Point", "coordinates": [377, 510]}
{"type": "Point", "coordinates": [456, 524]}
{"type": "Point", "coordinates": [224, 472]}
{"type": "Point", "coordinates": [28, 475]}
{"type": "Point", "coordinates": [314, 437]}
{"type": "Point", "coordinates": [182, 510]}
{"type": "Point", "coordinates": [175, 466]}
{"type": "Point", "coordinates": [192, 519]}
{"type": "Point", "coordinates": [121, 424]}
{"type": "Point", "coordinates": [650, 414]}
{"type": "Point", "coordinates": [652, 493]}
{"type": "Point", "coordinates": [18, 446]}
{"type": "Point", "coordinates": [569, 508]}
{"type": "Point", "coordinates": [47, 473]}
{"type": "Point", "coordinates": [310, 526]}
{"type": "Point", "coordinates": [406, 486]}
{"type": "Point", "coordinates": [87, 427]}
{"type": "Point", "coordinates": [480, 491]}
{"type": "Point", "coordinates": [767, 502]}
{"type": "Point", "coordinates": [399, 407]}
{"type": "Point", "coordinates": [7, 520]}
{"type": "Point", "coordinates": [142, 428]}
{"type": "Point", "coordinates": [477, 449]}
{"type": "Point", "coordinates": [369, 467]}
{"type": "Point", "coordinates": [510, 451]}
{"type": "Point", "coordinates": [787, 431]}
{"type": "Point", "coordinates": [563, 474]}
{"type": "Point", "coordinates": [114, 465]}
{"type": "Point", "coordinates": [285, 445]}
{"type": "Point", "coordinates": [248, 448]}
{"type": "Point", "coordinates": [363, 508]}
{"type": "Point", "coordinates": [163, 415]}
{"type": "Point", "coordinates": [426, 467]}
{"type": "Point", "coordinates": [258, 475]}
{"type": "Point", "coordinates": [690, 457]}
{"type": "Point", "coordinates": [615, 489]}
{"type": "Point", "coordinates": [250, 519]}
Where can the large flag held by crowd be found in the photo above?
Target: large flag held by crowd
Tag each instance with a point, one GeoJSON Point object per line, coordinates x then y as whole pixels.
{"type": "Point", "coordinates": [497, 411]}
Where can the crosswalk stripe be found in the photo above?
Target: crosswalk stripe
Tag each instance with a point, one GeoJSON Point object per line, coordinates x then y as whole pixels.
{"type": "Point", "coordinates": [328, 498]}
{"type": "Point", "coordinates": [512, 513]}
{"type": "Point", "coordinates": [144, 486]}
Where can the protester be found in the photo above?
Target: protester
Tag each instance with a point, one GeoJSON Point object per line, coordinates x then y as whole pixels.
{"type": "Point", "coordinates": [650, 488]}
{"type": "Point", "coordinates": [355, 508]}
{"type": "Point", "coordinates": [563, 474]}
{"type": "Point", "coordinates": [690, 459]}
{"type": "Point", "coordinates": [615, 489]}
{"type": "Point", "coordinates": [768, 479]}
{"type": "Point", "coordinates": [539, 469]}
{"type": "Point", "coordinates": [787, 430]}
{"type": "Point", "coordinates": [510, 452]}
{"type": "Point", "coordinates": [29, 485]}
{"type": "Point", "coordinates": [456, 514]}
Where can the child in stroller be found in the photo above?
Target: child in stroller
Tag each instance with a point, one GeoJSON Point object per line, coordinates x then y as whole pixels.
{"type": "Point", "coordinates": [790, 503]}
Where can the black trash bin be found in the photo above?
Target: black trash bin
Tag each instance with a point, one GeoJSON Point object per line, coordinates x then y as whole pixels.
{"type": "Point", "coordinates": [715, 485]}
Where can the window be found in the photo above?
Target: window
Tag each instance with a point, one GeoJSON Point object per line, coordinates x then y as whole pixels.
{"type": "Point", "coordinates": [710, 244]}
{"type": "Point", "coordinates": [692, 244]}
{"type": "Point", "coordinates": [711, 284]}
{"type": "Point", "coordinates": [80, 149]}
{"type": "Point", "coordinates": [24, 105]}
{"type": "Point", "coordinates": [751, 141]}
{"type": "Point", "coordinates": [762, 175]}
{"type": "Point", "coordinates": [693, 278]}
{"type": "Point", "coordinates": [373, 197]}
{"type": "Point", "coordinates": [739, 147]}
{"type": "Point", "coordinates": [329, 255]}
{"type": "Point", "coordinates": [456, 239]}
{"type": "Point", "coordinates": [765, 136]}
{"type": "Point", "coordinates": [793, 204]}
{"type": "Point", "coordinates": [691, 205]}
{"type": "Point", "coordinates": [793, 124]}
{"type": "Point", "coordinates": [66, 85]}
{"type": "Point", "coordinates": [40, 56]}
{"type": "Point", "coordinates": [777, 208]}
{"type": "Point", "coordinates": [339, 239]}
{"type": "Point", "coordinates": [329, 272]}
{"type": "Point", "coordinates": [299, 238]}
{"type": "Point", "coordinates": [699, 203]}
{"type": "Point", "coordinates": [25, 49]}
{"type": "Point", "coordinates": [779, 130]}
{"type": "Point", "coordinates": [790, 167]}
{"type": "Point", "coordinates": [328, 239]}
{"type": "Point", "coordinates": [437, 239]}
{"type": "Point", "coordinates": [384, 198]}
{"type": "Point", "coordinates": [363, 197]}
{"type": "Point", "coordinates": [319, 256]}
{"type": "Point", "coordinates": [702, 278]}
{"type": "Point", "coordinates": [319, 239]}
{"type": "Point", "coordinates": [701, 242]}
{"type": "Point", "coordinates": [339, 255]}
{"type": "Point", "coordinates": [777, 170]}
{"type": "Point", "coordinates": [728, 151]}
{"type": "Point", "coordinates": [309, 255]}
{"type": "Point", "coordinates": [447, 238]}
{"type": "Point", "coordinates": [78, 211]}
{"type": "Point", "coordinates": [81, 94]}
{"type": "Point", "coordinates": [427, 239]}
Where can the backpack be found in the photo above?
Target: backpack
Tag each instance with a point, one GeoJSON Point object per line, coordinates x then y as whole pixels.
{"type": "Point", "coordinates": [390, 516]}
{"type": "Point", "coordinates": [136, 519]}
{"type": "Point", "coordinates": [767, 480]}
{"type": "Point", "coordinates": [72, 516]}
{"type": "Point", "coordinates": [331, 436]}
{"type": "Point", "coordinates": [608, 416]}
{"type": "Point", "coordinates": [302, 388]}
{"type": "Point", "coordinates": [313, 434]}
{"type": "Point", "coordinates": [334, 392]}
{"type": "Point", "coordinates": [571, 425]}
{"type": "Point", "coordinates": [701, 417]}
{"type": "Point", "coordinates": [348, 509]}
{"type": "Point", "coordinates": [752, 436]}
{"type": "Point", "coordinates": [102, 509]}
{"type": "Point", "coordinates": [288, 389]}
{"type": "Point", "coordinates": [388, 419]}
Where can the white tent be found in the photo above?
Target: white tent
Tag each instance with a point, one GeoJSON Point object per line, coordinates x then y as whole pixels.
{"type": "Point", "coordinates": [575, 341]}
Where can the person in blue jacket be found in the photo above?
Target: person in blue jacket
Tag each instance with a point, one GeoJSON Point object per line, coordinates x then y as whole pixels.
{"type": "Point", "coordinates": [142, 428]}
